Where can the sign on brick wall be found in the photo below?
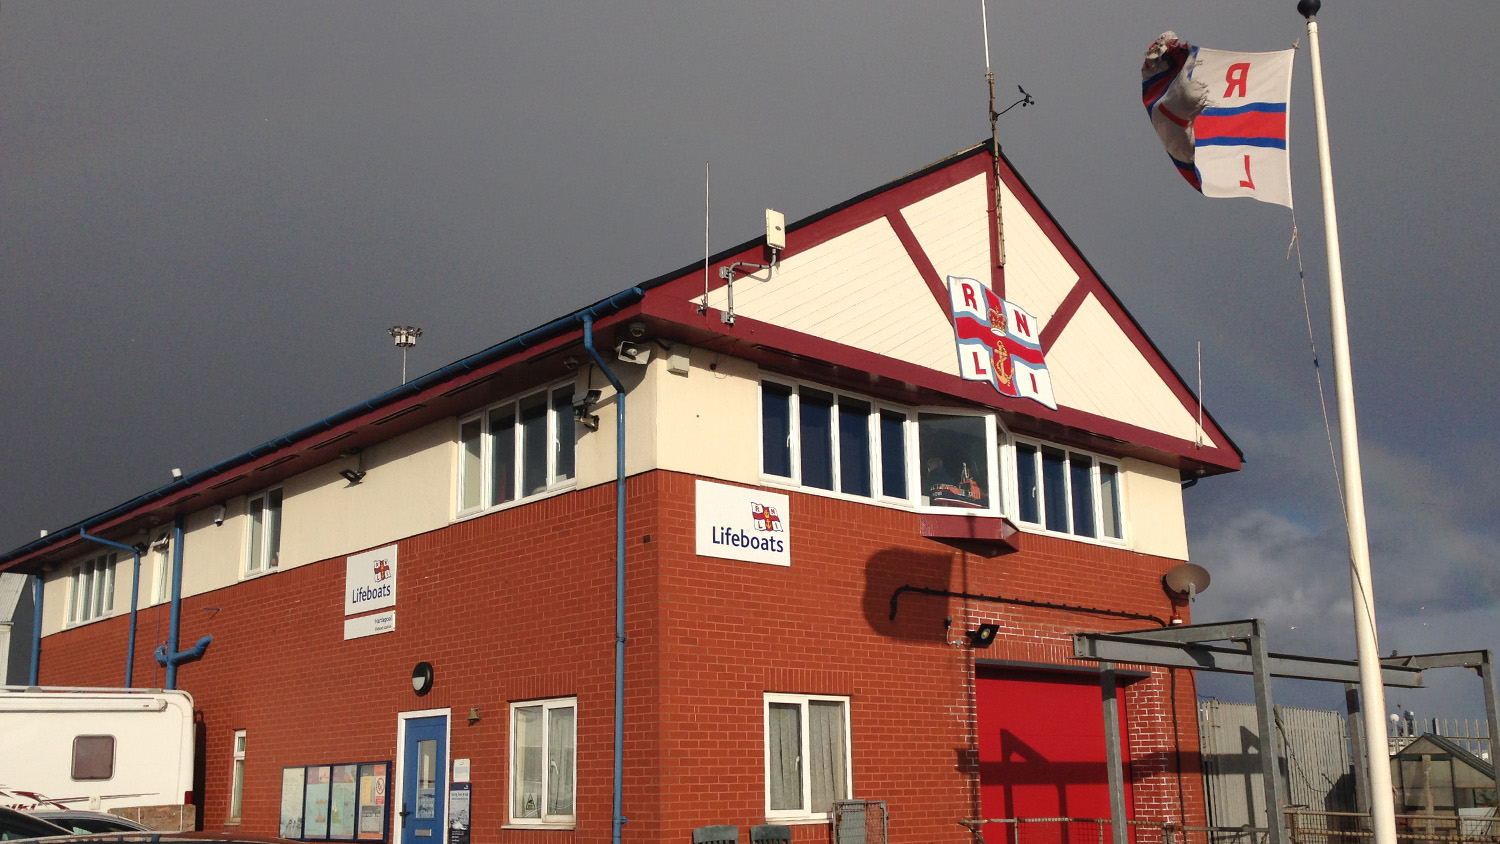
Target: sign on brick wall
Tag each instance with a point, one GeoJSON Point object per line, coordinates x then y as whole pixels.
{"type": "Point", "coordinates": [742, 523]}
{"type": "Point", "coordinates": [370, 581]}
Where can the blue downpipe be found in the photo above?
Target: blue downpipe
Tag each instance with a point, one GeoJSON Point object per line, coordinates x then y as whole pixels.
{"type": "Point", "coordinates": [175, 626]}
{"type": "Point", "coordinates": [36, 628]}
{"type": "Point", "coordinates": [588, 343]}
{"type": "Point", "coordinates": [168, 654]}
{"type": "Point", "coordinates": [135, 597]}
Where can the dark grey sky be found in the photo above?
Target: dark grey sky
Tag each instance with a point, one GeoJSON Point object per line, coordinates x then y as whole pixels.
{"type": "Point", "coordinates": [210, 212]}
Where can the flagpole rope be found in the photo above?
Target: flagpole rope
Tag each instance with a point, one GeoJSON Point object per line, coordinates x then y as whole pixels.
{"type": "Point", "coordinates": [1296, 246]}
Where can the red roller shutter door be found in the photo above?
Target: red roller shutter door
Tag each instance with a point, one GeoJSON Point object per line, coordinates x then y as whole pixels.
{"type": "Point", "coordinates": [1041, 751]}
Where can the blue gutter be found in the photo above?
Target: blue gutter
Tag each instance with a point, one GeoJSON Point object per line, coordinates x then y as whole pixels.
{"type": "Point", "coordinates": [36, 628]}
{"type": "Point", "coordinates": [135, 597]}
{"type": "Point", "coordinates": [520, 342]}
{"type": "Point", "coordinates": [588, 343]}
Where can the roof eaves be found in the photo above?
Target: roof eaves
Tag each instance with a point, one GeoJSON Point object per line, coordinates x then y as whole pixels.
{"type": "Point", "coordinates": [416, 386]}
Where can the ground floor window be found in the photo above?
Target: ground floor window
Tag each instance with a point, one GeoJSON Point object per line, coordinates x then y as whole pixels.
{"type": "Point", "coordinates": [543, 744]}
{"type": "Point", "coordinates": [807, 755]}
{"type": "Point", "coordinates": [334, 802]}
{"type": "Point", "coordinates": [237, 778]}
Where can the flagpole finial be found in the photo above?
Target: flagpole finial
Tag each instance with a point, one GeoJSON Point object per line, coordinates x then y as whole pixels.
{"type": "Point", "coordinates": [1309, 8]}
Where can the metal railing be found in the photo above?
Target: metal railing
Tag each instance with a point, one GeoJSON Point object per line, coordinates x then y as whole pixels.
{"type": "Point", "coordinates": [1304, 826]}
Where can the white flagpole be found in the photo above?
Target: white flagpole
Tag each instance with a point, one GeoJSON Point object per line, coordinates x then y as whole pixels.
{"type": "Point", "coordinates": [1372, 693]}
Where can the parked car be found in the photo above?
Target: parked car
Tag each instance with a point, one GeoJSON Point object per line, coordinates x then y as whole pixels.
{"type": "Point", "coordinates": [16, 825]}
{"type": "Point", "coordinates": [81, 822]}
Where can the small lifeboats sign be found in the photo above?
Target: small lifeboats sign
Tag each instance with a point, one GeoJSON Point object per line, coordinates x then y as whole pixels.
{"type": "Point", "coordinates": [743, 523]}
{"type": "Point", "coordinates": [370, 581]}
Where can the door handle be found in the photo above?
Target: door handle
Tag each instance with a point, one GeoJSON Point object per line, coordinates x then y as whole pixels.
{"type": "Point", "coordinates": [403, 813]}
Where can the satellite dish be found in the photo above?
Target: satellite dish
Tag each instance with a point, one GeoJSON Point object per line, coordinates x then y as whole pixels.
{"type": "Point", "coordinates": [1187, 579]}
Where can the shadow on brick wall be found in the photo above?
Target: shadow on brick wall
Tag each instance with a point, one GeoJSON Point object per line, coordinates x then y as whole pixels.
{"type": "Point", "coordinates": [921, 617]}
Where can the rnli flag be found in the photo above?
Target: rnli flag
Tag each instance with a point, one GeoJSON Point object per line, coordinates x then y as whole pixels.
{"type": "Point", "coordinates": [998, 342]}
{"type": "Point", "coordinates": [1222, 117]}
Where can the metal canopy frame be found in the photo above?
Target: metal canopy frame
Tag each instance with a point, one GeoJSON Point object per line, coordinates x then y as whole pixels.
{"type": "Point", "coordinates": [1183, 646]}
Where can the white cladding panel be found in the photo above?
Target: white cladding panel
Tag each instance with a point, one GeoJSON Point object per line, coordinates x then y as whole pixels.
{"type": "Point", "coordinates": [1156, 524]}
{"type": "Point", "coordinates": [409, 490]}
{"type": "Point", "coordinates": [1037, 276]}
{"type": "Point", "coordinates": [859, 289]}
{"type": "Point", "coordinates": [1097, 369]}
{"type": "Point", "coordinates": [953, 228]}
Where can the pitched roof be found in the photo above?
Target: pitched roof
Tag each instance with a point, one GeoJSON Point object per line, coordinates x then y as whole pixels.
{"type": "Point", "coordinates": [863, 286]}
{"type": "Point", "coordinates": [859, 298]}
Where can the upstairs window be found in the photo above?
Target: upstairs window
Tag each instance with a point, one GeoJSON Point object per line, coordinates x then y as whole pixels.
{"type": "Point", "coordinates": [834, 442]}
{"type": "Point", "coordinates": [955, 452]}
{"type": "Point", "coordinates": [516, 450]}
{"type": "Point", "coordinates": [1068, 491]}
{"type": "Point", "coordinates": [264, 532]}
{"type": "Point", "coordinates": [851, 446]}
{"type": "Point", "coordinates": [91, 589]}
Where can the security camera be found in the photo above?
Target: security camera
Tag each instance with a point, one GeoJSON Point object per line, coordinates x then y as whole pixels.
{"type": "Point", "coordinates": [633, 352]}
{"type": "Point", "coordinates": [581, 404]}
{"type": "Point", "coordinates": [219, 515]}
{"type": "Point", "coordinates": [637, 329]}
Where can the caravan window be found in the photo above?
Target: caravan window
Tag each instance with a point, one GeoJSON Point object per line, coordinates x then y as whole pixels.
{"type": "Point", "coordinates": [93, 757]}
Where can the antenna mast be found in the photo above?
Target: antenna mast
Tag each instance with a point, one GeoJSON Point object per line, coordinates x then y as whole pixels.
{"type": "Point", "coordinates": [989, 76]}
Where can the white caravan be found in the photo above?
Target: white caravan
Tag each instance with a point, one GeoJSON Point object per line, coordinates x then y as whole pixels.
{"type": "Point", "coordinates": [95, 749]}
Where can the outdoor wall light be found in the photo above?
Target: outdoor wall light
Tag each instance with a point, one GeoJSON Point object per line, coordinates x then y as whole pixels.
{"type": "Point", "coordinates": [356, 474]}
{"type": "Point", "coordinates": [421, 678]}
{"type": "Point", "coordinates": [982, 637]}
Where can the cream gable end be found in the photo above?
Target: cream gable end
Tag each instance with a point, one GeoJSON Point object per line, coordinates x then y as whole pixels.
{"type": "Point", "coordinates": [859, 289]}
{"type": "Point", "coordinates": [954, 230]}
{"type": "Point", "coordinates": [1037, 276]}
{"type": "Point", "coordinates": [1095, 368]}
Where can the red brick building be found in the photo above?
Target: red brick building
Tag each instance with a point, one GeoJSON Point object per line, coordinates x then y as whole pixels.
{"type": "Point", "coordinates": [818, 509]}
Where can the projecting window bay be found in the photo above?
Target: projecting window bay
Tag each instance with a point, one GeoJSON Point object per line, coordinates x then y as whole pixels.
{"type": "Point", "coordinates": [934, 460]}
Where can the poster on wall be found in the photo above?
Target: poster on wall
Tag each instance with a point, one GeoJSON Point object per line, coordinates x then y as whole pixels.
{"type": "Point", "coordinates": [372, 780]}
{"type": "Point", "coordinates": [341, 803]}
{"type": "Point", "coordinates": [291, 801]}
{"type": "Point", "coordinates": [315, 809]}
{"type": "Point", "coordinates": [458, 813]}
{"type": "Point", "coordinates": [743, 523]}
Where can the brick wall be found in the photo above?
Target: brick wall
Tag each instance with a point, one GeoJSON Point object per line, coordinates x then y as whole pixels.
{"type": "Point", "coordinates": [519, 605]}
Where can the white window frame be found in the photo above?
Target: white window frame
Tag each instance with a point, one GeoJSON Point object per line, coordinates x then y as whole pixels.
{"type": "Point", "coordinates": [545, 821]}
{"type": "Point", "coordinates": [911, 448]}
{"type": "Point", "coordinates": [237, 779]}
{"type": "Point", "coordinates": [266, 561]}
{"type": "Point", "coordinates": [559, 423]}
{"type": "Point", "coordinates": [161, 551]}
{"type": "Point", "coordinates": [802, 701]}
{"type": "Point", "coordinates": [91, 589]}
{"type": "Point", "coordinates": [995, 466]}
{"type": "Point", "coordinates": [1013, 457]}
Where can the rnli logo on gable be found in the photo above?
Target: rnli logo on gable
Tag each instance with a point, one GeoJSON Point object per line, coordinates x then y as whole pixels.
{"type": "Point", "coordinates": [740, 523]}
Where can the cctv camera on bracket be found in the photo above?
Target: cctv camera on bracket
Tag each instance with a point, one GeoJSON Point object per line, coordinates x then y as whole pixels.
{"type": "Point", "coordinates": [633, 352]}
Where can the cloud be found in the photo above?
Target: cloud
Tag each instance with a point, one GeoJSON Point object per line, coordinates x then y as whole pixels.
{"type": "Point", "coordinates": [1435, 553]}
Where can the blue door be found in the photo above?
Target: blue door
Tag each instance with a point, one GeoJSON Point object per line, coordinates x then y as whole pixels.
{"type": "Point", "coordinates": [424, 780]}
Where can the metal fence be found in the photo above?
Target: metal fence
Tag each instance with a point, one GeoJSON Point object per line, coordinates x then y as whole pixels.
{"type": "Point", "coordinates": [1304, 826]}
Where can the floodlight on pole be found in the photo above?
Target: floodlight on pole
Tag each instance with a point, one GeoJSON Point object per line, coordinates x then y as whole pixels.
{"type": "Point", "coordinates": [405, 337]}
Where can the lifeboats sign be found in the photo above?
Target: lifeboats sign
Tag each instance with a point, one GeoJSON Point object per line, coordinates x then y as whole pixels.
{"type": "Point", "coordinates": [370, 581]}
{"type": "Point", "coordinates": [743, 523]}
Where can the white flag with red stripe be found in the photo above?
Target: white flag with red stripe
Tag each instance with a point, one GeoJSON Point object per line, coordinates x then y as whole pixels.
{"type": "Point", "coordinates": [1222, 117]}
